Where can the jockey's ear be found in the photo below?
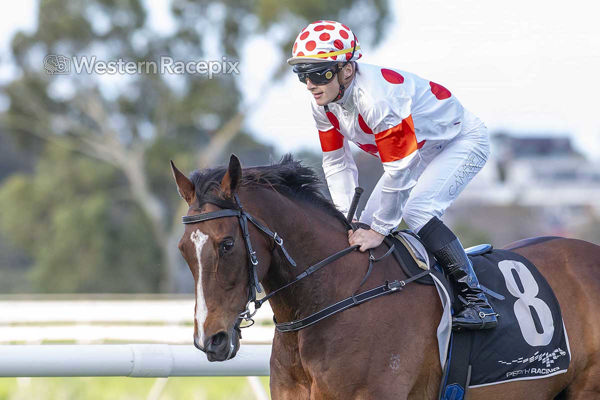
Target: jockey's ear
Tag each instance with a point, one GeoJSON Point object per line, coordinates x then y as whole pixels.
{"type": "Point", "coordinates": [348, 70]}
{"type": "Point", "coordinates": [232, 178]}
{"type": "Point", "coordinates": [185, 187]}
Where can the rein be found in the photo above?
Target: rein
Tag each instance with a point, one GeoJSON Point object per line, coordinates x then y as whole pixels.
{"type": "Point", "coordinates": [254, 284]}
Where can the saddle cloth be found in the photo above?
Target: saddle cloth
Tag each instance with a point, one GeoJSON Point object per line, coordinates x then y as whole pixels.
{"type": "Point", "coordinates": [530, 341]}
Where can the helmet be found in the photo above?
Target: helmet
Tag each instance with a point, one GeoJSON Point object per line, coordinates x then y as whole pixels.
{"type": "Point", "coordinates": [325, 42]}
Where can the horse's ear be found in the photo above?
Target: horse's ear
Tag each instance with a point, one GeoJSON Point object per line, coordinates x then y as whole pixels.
{"type": "Point", "coordinates": [232, 178]}
{"type": "Point", "coordinates": [185, 187]}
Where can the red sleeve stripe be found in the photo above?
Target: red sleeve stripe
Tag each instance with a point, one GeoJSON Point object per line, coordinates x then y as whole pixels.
{"type": "Point", "coordinates": [397, 142]}
{"type": "Point", "coordinates": [331, 140]}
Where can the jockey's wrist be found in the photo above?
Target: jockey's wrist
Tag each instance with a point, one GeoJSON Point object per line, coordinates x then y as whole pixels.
{"type": "Point", "coordinates": [380, 229]}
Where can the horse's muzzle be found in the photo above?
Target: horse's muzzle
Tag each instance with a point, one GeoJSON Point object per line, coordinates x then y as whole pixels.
{"type": "Point", "coordinates": [221, 346]}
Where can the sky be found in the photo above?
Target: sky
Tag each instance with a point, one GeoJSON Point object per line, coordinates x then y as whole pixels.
{"type": "Point", "coordinates": [530, 67]}
{"type": "Point", "coordinates": [526, 66]}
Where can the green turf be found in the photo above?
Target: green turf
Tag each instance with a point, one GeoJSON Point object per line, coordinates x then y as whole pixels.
{"type": "Point", "coordinates": [208, 388]}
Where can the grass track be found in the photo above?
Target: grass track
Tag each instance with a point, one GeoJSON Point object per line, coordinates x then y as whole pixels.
{"type": "Point", "coordinates": [109, 388]}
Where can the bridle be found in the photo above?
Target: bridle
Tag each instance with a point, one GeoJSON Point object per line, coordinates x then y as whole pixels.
{"type": "Point", "coordinates": [254, 284]}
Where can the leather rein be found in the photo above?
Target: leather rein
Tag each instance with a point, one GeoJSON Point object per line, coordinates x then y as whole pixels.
{"type": "Point", "coordinates": [254, 284]}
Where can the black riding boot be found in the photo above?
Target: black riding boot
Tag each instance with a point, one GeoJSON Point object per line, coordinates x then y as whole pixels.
{"type": "Point", "coordinates": [477, 312]}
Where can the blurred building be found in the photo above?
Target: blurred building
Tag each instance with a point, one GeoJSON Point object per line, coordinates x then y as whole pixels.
{"type": "Point", "coordinates": [531, 186]}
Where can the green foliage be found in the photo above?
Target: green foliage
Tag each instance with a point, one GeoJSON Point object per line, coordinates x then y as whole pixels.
{"type": "Point", "coordinates": [82, 237]}
{"type": "Point", "coordinates": [101, 223]}
{"type": "Point", "coordinates": [249, 151]}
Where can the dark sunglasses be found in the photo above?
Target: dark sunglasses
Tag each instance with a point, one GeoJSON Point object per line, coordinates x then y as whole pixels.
{"type": "Point", "coordinates": [320, 77]}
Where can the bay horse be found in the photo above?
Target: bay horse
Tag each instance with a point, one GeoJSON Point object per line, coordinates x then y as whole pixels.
{"type": "Point", "coordinates": [382, 349]}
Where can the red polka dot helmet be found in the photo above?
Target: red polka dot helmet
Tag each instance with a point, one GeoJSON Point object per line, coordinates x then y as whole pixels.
{"type": "Point", "coordinates": [325, 41]}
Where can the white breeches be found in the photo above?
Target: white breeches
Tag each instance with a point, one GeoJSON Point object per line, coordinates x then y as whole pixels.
{"type": "Point", "coordinates": [446, 167]}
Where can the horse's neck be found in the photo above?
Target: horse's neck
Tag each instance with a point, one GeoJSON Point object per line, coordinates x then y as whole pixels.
{"type": "Point", "coordinates": [310, 235]}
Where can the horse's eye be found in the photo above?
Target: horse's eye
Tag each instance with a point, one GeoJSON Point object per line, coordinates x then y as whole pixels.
{"type": "Point", "coordinates": [226, 245]}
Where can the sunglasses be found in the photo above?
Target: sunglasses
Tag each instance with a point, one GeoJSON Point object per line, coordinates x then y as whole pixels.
{"type": "Point", "coordinates": [320, 77]}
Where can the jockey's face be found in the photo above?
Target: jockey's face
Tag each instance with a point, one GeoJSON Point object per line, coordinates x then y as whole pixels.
{"type": "Point", "coordinates": [323, 94]}
{"type": "Point", "coordinates": [326, 93]}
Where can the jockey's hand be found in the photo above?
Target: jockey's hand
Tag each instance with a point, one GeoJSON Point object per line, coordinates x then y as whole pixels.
{"type": "Point", "coordinates": [367, 239]}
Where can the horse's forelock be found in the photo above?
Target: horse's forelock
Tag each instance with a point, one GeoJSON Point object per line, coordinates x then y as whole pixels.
{"type": "Point", "coordinates": [207, 184]}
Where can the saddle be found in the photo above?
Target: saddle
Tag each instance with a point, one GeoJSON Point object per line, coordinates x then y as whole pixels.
{"type": "Point", "coordinates": [413, 257]}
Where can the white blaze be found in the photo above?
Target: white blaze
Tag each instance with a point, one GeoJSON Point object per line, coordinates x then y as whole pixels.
{"type": "Point", "coordinates": [199, 240]}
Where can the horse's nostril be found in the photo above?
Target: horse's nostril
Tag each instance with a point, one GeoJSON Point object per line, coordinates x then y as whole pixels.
{"type": "Point", "coordinates": [218, 339]}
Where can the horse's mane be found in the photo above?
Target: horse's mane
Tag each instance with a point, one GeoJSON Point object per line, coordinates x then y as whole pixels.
{"type": "Point", "coordinates": [288, 177]}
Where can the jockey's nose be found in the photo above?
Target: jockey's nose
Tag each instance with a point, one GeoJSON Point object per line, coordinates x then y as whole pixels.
{"type": "Point", "coordinates": [309, 84]}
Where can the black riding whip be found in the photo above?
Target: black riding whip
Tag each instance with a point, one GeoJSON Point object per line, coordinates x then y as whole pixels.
{"type": "Point", "coordinates": [357, 192]}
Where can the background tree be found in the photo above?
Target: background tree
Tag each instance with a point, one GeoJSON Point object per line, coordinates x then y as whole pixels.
{"type": "Point", "coordinates": [118, 132]}
{"type": "Point", "coordinates": [80, 238]}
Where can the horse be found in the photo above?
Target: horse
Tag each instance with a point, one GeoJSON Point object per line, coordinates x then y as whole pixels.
{"type": "Point", "coordinates": [382, 349]}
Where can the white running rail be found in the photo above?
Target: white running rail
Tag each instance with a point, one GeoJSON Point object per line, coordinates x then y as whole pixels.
{"type": "Point", "coordinates": [132, 360]}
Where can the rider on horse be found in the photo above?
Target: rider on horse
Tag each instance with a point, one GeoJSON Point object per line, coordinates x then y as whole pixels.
{"type": "Point", "coordinates": [429, 145]}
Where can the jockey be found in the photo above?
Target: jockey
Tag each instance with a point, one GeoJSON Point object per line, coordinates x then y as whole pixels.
{"type": "Point", "coordinates": [429, 145]}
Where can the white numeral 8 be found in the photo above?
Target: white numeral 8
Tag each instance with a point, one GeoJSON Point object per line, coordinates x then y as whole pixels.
{"type": "Point", "coordinates": [525, 300]}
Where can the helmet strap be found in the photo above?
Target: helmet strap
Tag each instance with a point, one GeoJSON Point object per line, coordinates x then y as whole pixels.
{"type": "Point", "coordinates": [341, 92]}
{"type": "Point", "coordinates": [341, 82]}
